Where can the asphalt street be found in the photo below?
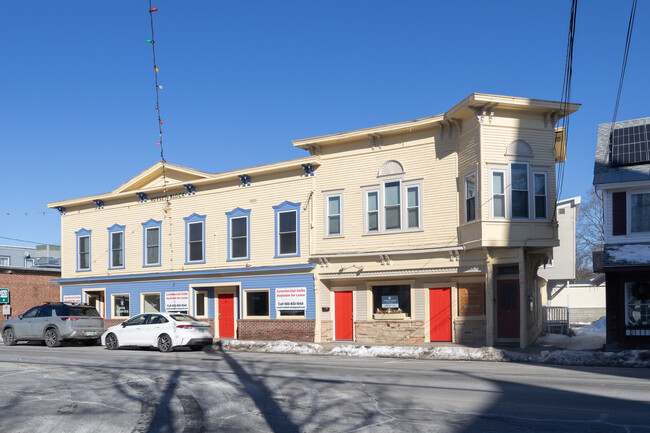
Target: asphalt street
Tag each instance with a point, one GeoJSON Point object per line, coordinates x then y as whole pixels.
{"type": "Point", "coordinates": [90, 389]}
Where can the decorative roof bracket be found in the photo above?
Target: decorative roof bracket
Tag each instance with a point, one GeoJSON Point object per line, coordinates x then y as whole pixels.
{"type": "Point", "coordinates": [309, 169]}
{"type": "Point", "coordinates": [245, 180]}
{"type": "Point", "coordinates": [61, 210]}
{"type": "Point", "coordinates": [142, 196]}
{"type": "Point", "coordinates": [190, 188]}
{"type": "Point", "coordinates": [99, 203]}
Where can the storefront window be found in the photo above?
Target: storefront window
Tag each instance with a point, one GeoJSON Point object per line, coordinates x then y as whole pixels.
{"type": "Point", "coordinates": [151, 303]}
{"type": "Point", "coordinates": [121, 306]}
{"type": "Point", "coordinates": [257, 304]}
{"type": "Point", "coordinates": [637, 300]}
{"type": "Point", "coordinates": [391, 299]}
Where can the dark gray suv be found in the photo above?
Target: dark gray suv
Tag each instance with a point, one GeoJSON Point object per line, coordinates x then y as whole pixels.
{"type": "Point", "coordinates": [54, 323]}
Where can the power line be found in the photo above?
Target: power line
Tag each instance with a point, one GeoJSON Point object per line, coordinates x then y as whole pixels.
{"type": "Point", "coordinates": [628, 40]}
{"type": "Point", "coordinates": [22, 240]}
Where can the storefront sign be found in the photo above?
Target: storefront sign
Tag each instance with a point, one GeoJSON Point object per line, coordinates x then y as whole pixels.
{"type": "Point", "coordinates": [471, 300]}
{"type": "Point", "coordinates": [291, 298]}
{"type": "Point", "coordinates": [72, 299]}
{"type": "Point", "coordinates": [177, 301]}
{"type": "Point", "coordinates": [389, 301]}
{"type": "Point", "coordinates": [4, 296]}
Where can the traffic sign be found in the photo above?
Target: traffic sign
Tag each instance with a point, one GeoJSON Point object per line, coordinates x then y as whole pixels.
{"type": "Point", "coordinates": [4, 296]}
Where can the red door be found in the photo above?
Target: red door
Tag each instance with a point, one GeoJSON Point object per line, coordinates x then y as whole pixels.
{"type": "Point", "coordinates": [508, 308]}
{"type": "Point", "coordinates": [226, 315]}
{"type": "Point", "coordinates": [343, 316]}
{"type": "Point", "coordinates": [440, 314]}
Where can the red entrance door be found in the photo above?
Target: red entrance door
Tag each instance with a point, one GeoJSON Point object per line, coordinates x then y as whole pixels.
{"type": "Point", "coordinates": [226, 315]}
{"type": "Point", "coordinates": [508, 308]}
{"type": "Point", "coordinates": [343, 315]}
{"type": "Point", "coordinates": [440, 314]}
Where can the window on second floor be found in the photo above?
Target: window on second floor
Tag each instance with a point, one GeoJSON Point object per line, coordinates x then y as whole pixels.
{"type": "Point", "coordinates": [287, 229]}
{"type": "Point", "coordinates": [116, 246]}
{"type": "Point", "coordinates": [83, 250]}
{"type": "Point", "coordinates": [195, 239]}
{"type": "Point", "coordinates": [519, 190]}
{"type": "Point", "coordinates": [470, 197]}
{"type": "Point", "coordinates": [540, 195]}
{"type": "Point", "coordinates": [334, 214]}
{"type": "Point", "coordinates": [151, 242]}
{"type": "Point", "coordinates": [395, 215]}
{"type": "Point", "coordinates": [238, 234]}
{"type": "Point", "coordinates": [4, 261]}
{"type": "Point", "coordinates": [639, 212]}
{"type": "Point", "coordinates": [498, 194]}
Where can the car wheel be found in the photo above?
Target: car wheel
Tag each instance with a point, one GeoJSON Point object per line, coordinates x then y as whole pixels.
{"type": "Point", "coordinates": [8, 337]}
{"type": "Point", "coordinates": [196, 347]}
{"type": "Point", "coordinates": [52, 338]}
{"type": "Point", "coordinates": [111, 342]}
{"type": "Point", "coordinates": [165, 343]}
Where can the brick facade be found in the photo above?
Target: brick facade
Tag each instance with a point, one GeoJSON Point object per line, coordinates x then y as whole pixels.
{"type": "Point", "coordinates": [292, 330]}
{"type": "Point", "coordinates": [28, 288]}
{"type": "Point", "coordinates": [384, 331]}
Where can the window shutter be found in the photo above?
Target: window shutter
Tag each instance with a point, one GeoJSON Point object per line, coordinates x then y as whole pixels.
{"type": "Point", "coordinates": [619, 214]}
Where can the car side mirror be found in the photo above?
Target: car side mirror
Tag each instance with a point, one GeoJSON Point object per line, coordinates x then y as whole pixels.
{"type": "Point", "coordinates": [123, 324]}
{"type": "Point", "coordinates": [20, 316]}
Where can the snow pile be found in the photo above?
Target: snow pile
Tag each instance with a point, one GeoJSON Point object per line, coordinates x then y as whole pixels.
{"type": "Point", "coordinates": [627, 358]}
{"type": "Point", "coordinates": [590, 337]}
{"type": "Point", "coordinates": [454, 353]}
{"type": "Point", "coordinates": [281, 346]}
{"type": "Point", "coordinates": [630, 253]}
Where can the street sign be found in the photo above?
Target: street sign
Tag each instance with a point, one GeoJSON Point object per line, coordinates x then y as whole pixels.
{"type": "Point", "coordinates": [4, 296]}
{"type": "Point", "coordinates": [6, 309]}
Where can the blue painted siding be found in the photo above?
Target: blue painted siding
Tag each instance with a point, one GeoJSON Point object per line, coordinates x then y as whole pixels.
{"type": "Point", "coordinates": [136, 288]}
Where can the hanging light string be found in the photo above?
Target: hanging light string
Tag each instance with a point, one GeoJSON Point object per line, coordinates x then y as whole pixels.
{"type": "Point", "coordinates": [152, 41]}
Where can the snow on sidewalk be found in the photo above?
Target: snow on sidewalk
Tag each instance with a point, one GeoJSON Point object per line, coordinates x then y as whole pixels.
{"type": "Point", "coordinates": [576, 350]}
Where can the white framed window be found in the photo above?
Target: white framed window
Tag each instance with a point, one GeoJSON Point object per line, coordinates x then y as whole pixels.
{"type": "Point", "coordinates": [334, 214]}
{"type": "Point", "coordinates": [470, 197]}
{"type": "Point", "coordinates": [121, 305]}
{"type": "Point", "coordinates": [256, 304]}
{"type": "Point", "coordinates": [519, 190]}
{"type": "Point", "coordinates": [540, 189]}
{"type": "Point", "coordinates": [4, 261]}
{"type": "Point", "coordinates": [116, 246]}
{"type": "Point", "coordinates": [413, 206]}
{"type": "Point", "coordinates": [392, 206]}
{"type": "Point", "coordinates": [150, 303]}
{"type": "Point", "coordinates": [29, 263]}
{"type": "Point", "coordinates": [639, 209]}
{"type": "Point", "coordinates": [372, 211]}
{"type": "Point", "coordinates": [498, 194]}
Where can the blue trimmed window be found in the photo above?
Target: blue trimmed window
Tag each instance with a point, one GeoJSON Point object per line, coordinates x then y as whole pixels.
{"type": "Point", "coordinates": [238, 234]}
{"type": "Point", "coordinates": [151, 251]}
{"type": "Point", "coordinates": [83, 250]}
{"type": "Point", "coordinates": [287, 229]}
{"type": "Point", "coordinates": [194, 239]}
{"type": "Point", "coordinates": [116, 246]}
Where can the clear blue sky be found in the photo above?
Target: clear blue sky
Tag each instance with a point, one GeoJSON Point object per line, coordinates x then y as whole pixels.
{"type": "Point", "coordinates": [241, 79]}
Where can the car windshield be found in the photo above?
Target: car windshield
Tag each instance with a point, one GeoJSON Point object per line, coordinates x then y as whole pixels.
{"type": "Point", "coordinates": [80, 311]}
{"type": "Point", "coordinates": [183, 318]}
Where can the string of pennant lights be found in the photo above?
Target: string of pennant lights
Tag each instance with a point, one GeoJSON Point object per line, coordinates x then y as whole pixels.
{"type": "Point", "coordinates": [159, 87]}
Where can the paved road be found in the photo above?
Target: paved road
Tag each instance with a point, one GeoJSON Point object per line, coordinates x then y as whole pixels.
{"type": "Point", "coordinates": [89, 389]}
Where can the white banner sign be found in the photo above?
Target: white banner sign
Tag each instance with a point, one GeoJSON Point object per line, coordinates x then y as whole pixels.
{"type": "Point", "coordinates": [294, 298]}
{"type": "Point", "coordinates": [72, 299]}
{"type": "Point", "coordinates": [177, 301]}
